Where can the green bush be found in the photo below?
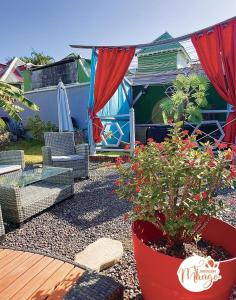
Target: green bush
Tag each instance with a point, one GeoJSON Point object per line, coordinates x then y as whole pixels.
{"type": "Point", "coordinates": [38, 127]}
{"type": "Point", "coordinates": [4, 135]}
{"type": "Point", "coordinates": [4, 139]}
{"type": "Point", "coordinates": [3, 126]}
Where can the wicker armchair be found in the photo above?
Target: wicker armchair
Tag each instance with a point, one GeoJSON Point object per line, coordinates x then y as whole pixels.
{"type": "Point", "coordinates": [60, 151]}
{"type": "Point", "coordinates": [11, 161]}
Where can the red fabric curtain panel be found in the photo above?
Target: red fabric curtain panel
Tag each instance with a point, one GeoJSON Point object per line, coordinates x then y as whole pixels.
{"type": "Point", "coordinates": [216, 50]}
{"type": "Point", "coordinates": [112, 65]}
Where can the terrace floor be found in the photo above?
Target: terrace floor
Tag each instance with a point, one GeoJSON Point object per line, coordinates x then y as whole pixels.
{"type": "Point", "coordinates": [93, 212]}
{"type": "Point", "coordinates": [31, 276]}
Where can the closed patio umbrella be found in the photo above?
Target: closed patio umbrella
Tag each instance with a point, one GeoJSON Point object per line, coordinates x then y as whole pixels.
{"type": "Point", "coordinates": [64, 117]}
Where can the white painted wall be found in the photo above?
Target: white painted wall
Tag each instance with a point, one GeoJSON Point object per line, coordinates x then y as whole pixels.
{"type": "Point", "coordinates": [46, 99]}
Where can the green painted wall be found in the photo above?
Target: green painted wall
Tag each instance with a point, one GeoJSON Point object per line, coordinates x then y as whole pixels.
{"type": "Point", "coordinates": [27, 83]}
{"type": "Point", "coordinates": [159, 62]}
{"type": "Point", "coordinates": [82, 76]}
{"type": "Point", "coordinates": [147, 108]}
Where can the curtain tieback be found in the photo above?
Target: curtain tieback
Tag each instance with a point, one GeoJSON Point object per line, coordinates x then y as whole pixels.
{"type": "Point", "coordinates": [92, 115]}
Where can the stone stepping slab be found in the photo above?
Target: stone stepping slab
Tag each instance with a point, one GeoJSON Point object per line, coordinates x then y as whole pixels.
{"type": "Point", "coordinates": [100, 255]}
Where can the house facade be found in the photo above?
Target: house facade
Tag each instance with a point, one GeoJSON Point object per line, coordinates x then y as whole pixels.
{"type": "Point", "coordinates": [157, 67]}
{"type": "Point", "coordinates": [40, 86]}
{"type": "Point", "coordinates": [162, 58]}
{"type": "Point", "coordinates": [71, 70]}
{"type": "Point", "coordinates": [12, 72]}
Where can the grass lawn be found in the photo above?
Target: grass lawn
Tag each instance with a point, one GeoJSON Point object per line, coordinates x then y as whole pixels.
{"type": "Point", "coordinates": [32, 149]}
{"type": "Point", "coordinates": [112, 154]}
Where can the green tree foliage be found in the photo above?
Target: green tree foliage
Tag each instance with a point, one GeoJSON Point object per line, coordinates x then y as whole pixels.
{"type": "Point", "coordinates": [187, 100]}
{"type": "Point", "coordinates": [38, 58]}
{"type": "Point", "coordinates": [38, 127]}
{"type": "Point", "coordinates": [10, 99]}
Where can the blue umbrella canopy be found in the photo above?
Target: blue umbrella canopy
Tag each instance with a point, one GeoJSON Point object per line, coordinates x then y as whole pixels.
{"type": "Point", "coordinates": [64, 117]}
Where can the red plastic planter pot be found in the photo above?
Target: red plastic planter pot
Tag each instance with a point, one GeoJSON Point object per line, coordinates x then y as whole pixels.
{"type": "Point", "coordinates": [157, 272]}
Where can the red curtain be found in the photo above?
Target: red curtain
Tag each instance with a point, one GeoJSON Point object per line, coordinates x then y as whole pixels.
{"type": "Point", "coordinates": [112, 66]}
{"type": "Point", "coordinates": [216, 50]}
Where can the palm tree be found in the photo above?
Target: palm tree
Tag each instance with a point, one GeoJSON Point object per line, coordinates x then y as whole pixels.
{"type": "Point", "coordinates": [11, 97]}
{"type": "Point", "coordinates": [38, 58]}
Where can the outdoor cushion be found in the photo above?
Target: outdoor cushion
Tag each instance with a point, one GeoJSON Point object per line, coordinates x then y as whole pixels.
{"type": "Point", "coordinates": [67, 157]}
{"type": "Point", "coordinates": [9, 168]}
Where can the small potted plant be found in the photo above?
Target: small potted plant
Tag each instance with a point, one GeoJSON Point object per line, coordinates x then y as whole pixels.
{"type": "Point", "coordinates": [176, 214]}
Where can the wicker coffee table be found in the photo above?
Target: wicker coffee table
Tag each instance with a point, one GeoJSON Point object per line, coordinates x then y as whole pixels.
{"type": "Point", "coordinates": [27, 193]}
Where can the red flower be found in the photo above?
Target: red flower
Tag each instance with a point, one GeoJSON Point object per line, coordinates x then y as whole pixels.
{"type": "Point", "coordinates": [193, 145]}
{"type": "Point", "coordinates": [198, 132]}
{"type": "Point", "coordinates": [210, 151]}
{"type": "Point", "coordinates": [131, 199]}
{"type": "Point", "coordinates": [228, 154]}
{"type": "Point", "coordinates": [233, 147]}
{"type": "Point", "coordinates": [137, 150]}
{"type": "Point", "coordinates": [189, 144]}
{"type": "Point", "coordinates": [197, 197]}
{"type": "Point", "coordinates": [160, 146]}
{"type": "Point", "coordinates": [146, 181]}
{"type": "Point", "coordinates": [212, 164]}
{"type": "Point", "coordinates": [135, 166]}
{"type": "Point", "coordinates": [204, 195]}
{"type": "Point", "coordinates": [137, 209]}
{"type": "Point", "coordinates": [222, 145]}
{"type": "Point", "coordinates": [127, 147]}
{"type": "Point", "coordinates": [233, 173]}
{"type": "Point", "coordinates": [141, 146]}
{"type": "Point", "coordinates": [118, 182]}
{"type": "Point", "coordinates": [185, 132]}
{"type": "Point", "coordinates": [137, 189]}
{"type": "Point", "coordinates": [119, 161]}
{"type": "Point", "coordinates": [126, 158]}
{"type": "Point", "coordinates": [139, 181]}
{"type": "Point", "coordinates": [150, 140]}
{"type": "Point", "coordinates": [137, 142]}
{"type": "Point", "coordinates": [126, 216]}
{"type": "Point", "coordinates": [192, 163]}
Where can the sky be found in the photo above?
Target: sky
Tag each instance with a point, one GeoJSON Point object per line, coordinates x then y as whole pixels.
{"type": "Point", "coordinates": [50, 26]}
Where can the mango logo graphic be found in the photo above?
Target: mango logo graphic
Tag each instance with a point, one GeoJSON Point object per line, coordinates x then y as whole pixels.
{"type": "Point", "coordinates": [197, 274]}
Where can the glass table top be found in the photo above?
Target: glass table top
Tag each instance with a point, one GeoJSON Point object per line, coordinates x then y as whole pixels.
{"type": "Point", "coordinates": [23, 178]}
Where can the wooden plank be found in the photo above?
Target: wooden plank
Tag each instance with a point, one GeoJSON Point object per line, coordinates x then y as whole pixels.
{"type": "Point", "coordinates": [49, 286]}
{"type": "Point", "coordinates": [21, 281]}
{"type": "Point", "coordinates": [5, 252]}
{"type": "Point", "coordinates": [65, 286]}
{"type": "Point", "coordinates": [37, 281]}
{"type": "Point", "coordinates": [10, 257]}
{"type": "Point", "coordinates": [11, 266]}
{"type": "Point", "coordinates": [12, 276]}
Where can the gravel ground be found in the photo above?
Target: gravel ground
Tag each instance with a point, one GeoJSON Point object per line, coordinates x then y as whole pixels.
{"type": "Point", "coordinates": [92, 213]}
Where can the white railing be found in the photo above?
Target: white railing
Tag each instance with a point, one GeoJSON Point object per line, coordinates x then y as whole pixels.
{"type": "Point", "coordinates": [105, 146]}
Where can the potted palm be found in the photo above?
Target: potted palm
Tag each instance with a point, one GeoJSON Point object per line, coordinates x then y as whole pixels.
{"type": "Point", "coordinates": [176, 214]}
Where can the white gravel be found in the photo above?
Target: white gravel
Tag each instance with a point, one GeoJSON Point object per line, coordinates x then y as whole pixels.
{"type": "Point", "coordinates": [92, 213]}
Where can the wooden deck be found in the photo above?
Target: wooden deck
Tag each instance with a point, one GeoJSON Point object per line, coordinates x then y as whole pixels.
{"type": "Point", "coordinates": [25, 275]}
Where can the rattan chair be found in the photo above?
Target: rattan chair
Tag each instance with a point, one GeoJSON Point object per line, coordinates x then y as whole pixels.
{"type": "Point", "coordinates": [11, 161]}
{"type": "Point", "coordinates": [60, 151]}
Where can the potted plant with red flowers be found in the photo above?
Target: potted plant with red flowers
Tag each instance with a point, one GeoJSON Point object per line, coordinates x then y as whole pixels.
{"type": "Point", "coordinates": [176, 214]}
